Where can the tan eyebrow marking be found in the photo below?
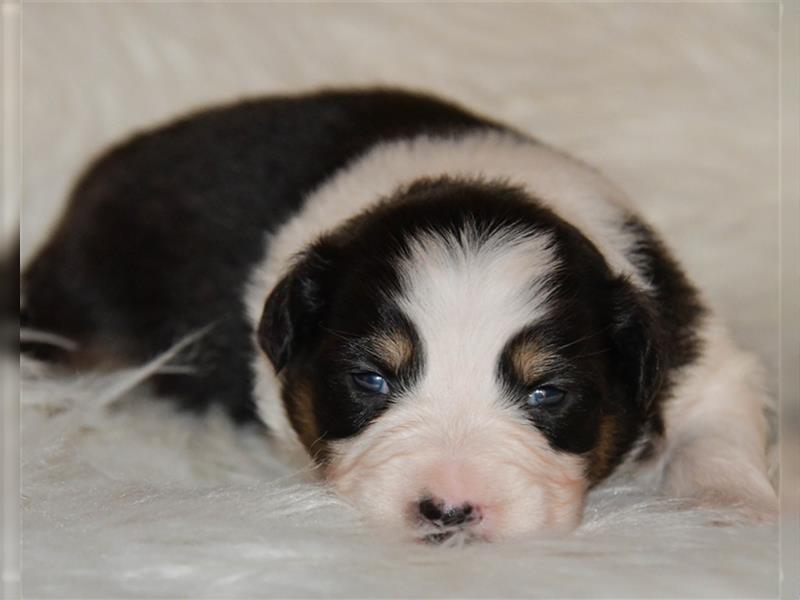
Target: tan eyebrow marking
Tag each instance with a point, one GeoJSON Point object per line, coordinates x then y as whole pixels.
{"type": "Point", "coordinates": [395, 347]}
{"type": "Point", "coordinates": [529, 360]}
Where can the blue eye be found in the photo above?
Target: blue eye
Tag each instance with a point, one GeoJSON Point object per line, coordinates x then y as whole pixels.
{"type": "Point", "coordinates": [371, 382]}
{"type": "Point", "coordinates": [546, 396]}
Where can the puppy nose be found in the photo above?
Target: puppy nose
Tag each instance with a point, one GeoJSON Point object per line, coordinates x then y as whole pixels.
{"type": "Point", "coordinates": [441, 514]}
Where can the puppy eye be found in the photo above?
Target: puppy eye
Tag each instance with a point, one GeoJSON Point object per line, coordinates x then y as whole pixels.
{"type": "Point", "coordinates": [371, 382]}
{"type": "Point", "coordinates": [546, 396]}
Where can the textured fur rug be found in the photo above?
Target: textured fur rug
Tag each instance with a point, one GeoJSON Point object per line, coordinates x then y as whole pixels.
{"type": "Point", "coordinates": [677, 103]}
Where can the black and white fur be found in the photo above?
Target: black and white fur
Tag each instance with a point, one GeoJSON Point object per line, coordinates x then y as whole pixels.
{"type": "Point", "coordinates": [325, 236]}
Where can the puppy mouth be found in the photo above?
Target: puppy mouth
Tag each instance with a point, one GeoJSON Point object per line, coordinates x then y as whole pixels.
{"type": "Point", "coordinates": [451, 537]}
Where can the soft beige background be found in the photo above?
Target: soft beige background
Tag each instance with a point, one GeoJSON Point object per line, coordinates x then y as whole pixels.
{"type": "Point", "coordinates": [677, 103]}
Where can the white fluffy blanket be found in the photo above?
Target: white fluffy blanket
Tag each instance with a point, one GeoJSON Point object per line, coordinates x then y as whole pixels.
{"type": "Point", "coordinates": [675, 102]}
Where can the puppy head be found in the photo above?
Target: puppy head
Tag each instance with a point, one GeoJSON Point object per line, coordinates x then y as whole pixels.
{"type": "Point", "coordinates": [461, 361]}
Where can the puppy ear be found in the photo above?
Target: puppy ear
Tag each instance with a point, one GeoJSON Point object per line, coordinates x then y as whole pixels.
{"type": "Point", "coordinates": [638, 344]}
{"type": "Point", "coordinates": [294, 309]}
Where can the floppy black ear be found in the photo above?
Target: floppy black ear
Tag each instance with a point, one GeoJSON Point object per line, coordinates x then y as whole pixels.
{"type": "Point", "coordinates": [293, 310]}
{"type": "Point", "coordinates": [638, 343]}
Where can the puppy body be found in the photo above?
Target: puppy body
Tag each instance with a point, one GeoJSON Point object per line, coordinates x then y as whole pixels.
{"type": "Point", "coordinates": [393, 283]}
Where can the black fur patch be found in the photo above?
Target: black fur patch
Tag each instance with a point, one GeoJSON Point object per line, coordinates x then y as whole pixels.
{"type": "Point", "coordinates": [678, 313]}
{"type": "Point", "coordinates": [162, 231]}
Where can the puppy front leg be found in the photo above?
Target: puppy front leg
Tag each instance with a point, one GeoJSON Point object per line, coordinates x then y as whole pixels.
{"type": "Point", "coordinates": [716, 432]}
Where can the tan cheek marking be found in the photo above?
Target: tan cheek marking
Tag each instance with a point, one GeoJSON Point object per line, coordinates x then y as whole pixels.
{"type": "Point", "coordinates": [300, 407]}
{"type": "Point", "coordinates": [395, 347]}
{"type": "Point", "coordinates": [602, 457]}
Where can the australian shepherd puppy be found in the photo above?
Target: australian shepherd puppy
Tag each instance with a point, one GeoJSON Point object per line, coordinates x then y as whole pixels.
{"type": "Point", "coordinates": [463, 328]}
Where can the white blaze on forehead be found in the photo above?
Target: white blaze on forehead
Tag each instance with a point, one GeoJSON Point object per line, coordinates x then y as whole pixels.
{"type": "Point", "coordinates": [467, 295]}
